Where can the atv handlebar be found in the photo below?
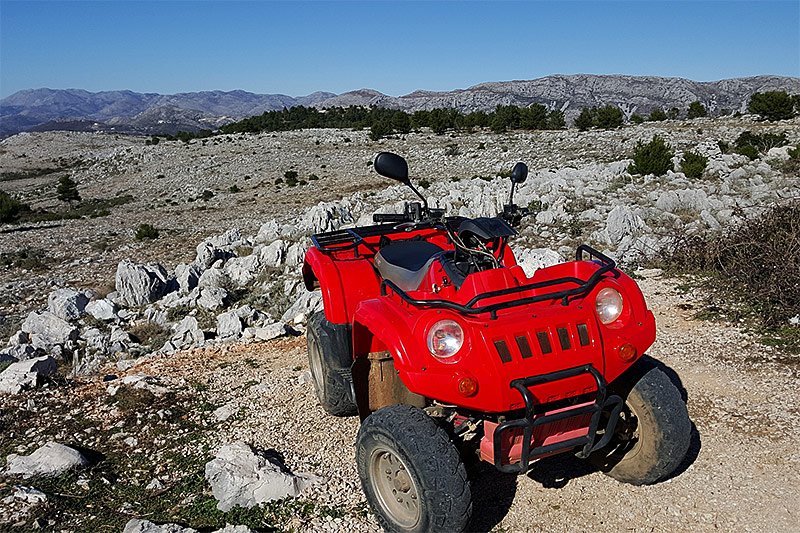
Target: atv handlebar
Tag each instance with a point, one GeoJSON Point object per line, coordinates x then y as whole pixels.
{"type": "Point", "coordinates": [384, 218]}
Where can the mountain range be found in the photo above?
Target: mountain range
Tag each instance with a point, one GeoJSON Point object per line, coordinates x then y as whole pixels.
{"type": "Point", "coordinates": [150, 113]}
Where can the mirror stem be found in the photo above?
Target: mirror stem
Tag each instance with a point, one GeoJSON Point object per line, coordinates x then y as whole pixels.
{"type": "Point", "coordinates": [424, 201]}
{"type": "Point", "coordinates": [511, 197]}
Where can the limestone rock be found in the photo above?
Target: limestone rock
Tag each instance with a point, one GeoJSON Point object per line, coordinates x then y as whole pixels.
{"type": "Point", "coordinates": [229, 326]}
{"type": "Point", "coordinates": [140, 284]}
{"type": "Point", "coordinates": [187, 277]}
{"type": "Point", "coordinates": [306, 303]}
{"type": "Point", "coordinates": [532, 259]}
{"type": "Point", "coordinates": [212, 298]}
{"type": "Point", "coordinates": [187, 334]}
{"type": "Point", "coordinates": [20, 352]}
{"type": "Point", "coordinates": [25, 374]}
{"type": "Point", "coordinates": [622, 221]}
{"type": "Point", "coordinates": [67, 304]}
{"type": "Point", "coordinates": [102, 309]}
{"type": "Point", "coordinates": [51, 459]}
{"type": "Point", "coordinates": [239, 476]}
{"type": "Point", "coordinates": [46, 330]}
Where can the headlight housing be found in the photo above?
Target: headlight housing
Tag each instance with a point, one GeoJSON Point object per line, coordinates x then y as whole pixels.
{"type": "Point", "coordinates": [608, 305]}
{"type": "Point", "coordinates": [445, 339]}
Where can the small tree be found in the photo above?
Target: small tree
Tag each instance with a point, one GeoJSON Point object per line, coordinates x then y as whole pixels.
{"type": "Point", "coordinates": [693, 164]}
{"type": "Point", "coordinates": [146, 231]}
{"type": "Point", "coordinates": [772, 105]}
{"type": "Point", "coordinates": [608, 117]}
{"type": "Point", "coordinates": [10, 207]}
{"type": "Point", "coordinates": [380, 129]}
{"type": "Point", "coordinates": [555, 120]}
{"type": "Point", "coordinates": [654, 157]}
{"type": "Point", "coordinates": [696, 110]}
{"type": "Point", "coordinates": [637, 119]}
{"type": "Point", "coordinates": [585, 120]}
{"type": "Point", "coordinates": [657, 115]}
{"type": "Point", "coordinates": [673, 113]}
{"type": "Point", "coordinates": [67, 190]}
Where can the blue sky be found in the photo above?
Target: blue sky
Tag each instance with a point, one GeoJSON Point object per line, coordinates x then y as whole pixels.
{"type": "Point", "coordinates": [395, 47]}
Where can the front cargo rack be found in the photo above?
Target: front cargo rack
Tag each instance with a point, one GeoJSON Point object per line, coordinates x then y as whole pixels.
{"type": "Point", "coordinates": [472, 308]}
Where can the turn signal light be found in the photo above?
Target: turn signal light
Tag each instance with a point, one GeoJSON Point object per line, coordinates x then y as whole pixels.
{"type": "Point", "coordinates": [468, 386]}
{"type": "Point", "coordinates": [627, 352]}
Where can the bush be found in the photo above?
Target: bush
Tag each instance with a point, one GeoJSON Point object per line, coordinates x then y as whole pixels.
{"type": "Point", "coordinates": [207, 195]}
{"type": "Point", "coordinates": [67, 190]}
{"type": "Point", "coordinates": [452, 150]}
{"type": "Point", "coordinates": [10, 207]}
{"type": "Point", "coordinates": [757, 263]}
{"type": "Point", "coordinates": [657, 115]}
{"type": "Point", "coordinates": [772, 105]}
{"type": "Point", "coordinates": [555, 120]}
{"type": "Point", "coordinates": [654, 157]}
{"type": "Point", "coordinates": [673, 113]}
{"type": "Point", "coordinates": [146, 231]}
{"type": "Point", "coordinates": [380, 129]}
{"type": "Point", "coordinates": [749, 151]}
{"type": "Point", "coordinates": [608, 117]}
{"type": "Point", "coordinates": [290, 178]}
{"type": "Point", "coordinates": [693, 164]}
{"type": "Point", "coordinates": [424, 183]}
{"type": "Point", "coordinates": [696, 110]}
{"type": "Point", "coordinates": [585, 120]}
{"type": "Point", "coordinates": [637, 119]}
{"type": "Point", "coordinates": [234, 189]}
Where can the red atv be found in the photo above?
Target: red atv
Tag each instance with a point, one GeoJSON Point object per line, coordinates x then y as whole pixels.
{"type": "Point", "coordinates": [448, 352]}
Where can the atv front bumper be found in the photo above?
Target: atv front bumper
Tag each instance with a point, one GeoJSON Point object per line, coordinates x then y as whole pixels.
{"type": "Point", "coordinates": [511, 445]}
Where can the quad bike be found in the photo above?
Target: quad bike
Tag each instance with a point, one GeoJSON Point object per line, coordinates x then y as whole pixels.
{"type": "Point", "coordinates": [449, 353]}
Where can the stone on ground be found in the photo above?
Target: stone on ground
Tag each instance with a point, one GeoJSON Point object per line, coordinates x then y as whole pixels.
{"type": "Point", "coordinates": [67, 304]}
{"type": "Point", "coordinates": [51, 459]}
{"type": "Point", "coordinates": [239, 476]}
{"type": "Point", "coordinates": [25, 374]}
{"type": "Point", "coordinates": [140, 284]}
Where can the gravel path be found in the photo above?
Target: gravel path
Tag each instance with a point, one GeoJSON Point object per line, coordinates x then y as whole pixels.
{"type": "Point", "coordinates": [741, 473]}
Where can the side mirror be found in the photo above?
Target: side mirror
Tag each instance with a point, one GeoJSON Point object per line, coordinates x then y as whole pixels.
{"type": "Point", "coordinates": [519, 173]}
{"type": "Point", "coordinates": [393, 166]}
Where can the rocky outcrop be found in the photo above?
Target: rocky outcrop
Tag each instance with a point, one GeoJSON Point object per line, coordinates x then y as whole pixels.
{"type": "Point", "coordinates": [51, 459]}
{"type": "Point", "coordinates": [140, 284]}
{"type": "Point", "coordinates": [25, 374]}
{"type": "Point", "coordinates": [240, 476]}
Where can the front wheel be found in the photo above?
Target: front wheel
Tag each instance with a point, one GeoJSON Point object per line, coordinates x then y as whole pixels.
{"type": "Point", "coordinates": [653, 432]}
{"type": "Point", "coordinates": [411, 472]}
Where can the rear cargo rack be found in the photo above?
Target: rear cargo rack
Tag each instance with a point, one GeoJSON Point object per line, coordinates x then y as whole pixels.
{"type": "Point", "coordinates": [471, 308]}
{"type": "Point", "coordinates": [346, 239]}
{"type": "Point", "coordinates": [530, 421]}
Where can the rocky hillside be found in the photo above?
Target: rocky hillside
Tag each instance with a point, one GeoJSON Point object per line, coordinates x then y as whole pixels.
{"type": "Point", "coordinates": [126, 111]}
{"type": "Point", "coordinates": [142, 376]}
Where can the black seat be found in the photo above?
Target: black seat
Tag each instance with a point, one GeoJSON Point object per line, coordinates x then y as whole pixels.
{"type": "Point", "coordinates": [405, 263]}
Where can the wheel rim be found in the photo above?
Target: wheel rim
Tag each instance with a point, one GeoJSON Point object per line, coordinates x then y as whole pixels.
{"type": "Point", "coordinates": [394, 487]}
{"type": "Point", "coordinates": [627, 436]}
{"type": "Point", "coordinates": [315, 360]}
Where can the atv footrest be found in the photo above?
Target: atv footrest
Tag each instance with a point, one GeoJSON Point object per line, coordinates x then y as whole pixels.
{"type": "Point", "coordinates": [585, 437]}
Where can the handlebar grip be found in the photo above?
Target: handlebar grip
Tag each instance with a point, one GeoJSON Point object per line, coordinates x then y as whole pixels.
{"type": "Point", "coordinates": [389, 217]}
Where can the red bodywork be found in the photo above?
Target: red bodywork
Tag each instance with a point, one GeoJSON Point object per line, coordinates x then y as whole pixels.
{"type": "Point", "coordinates": [351, 291]}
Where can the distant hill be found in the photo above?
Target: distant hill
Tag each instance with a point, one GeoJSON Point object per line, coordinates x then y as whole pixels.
{"type": "Point", "coordinates": [130, 112]}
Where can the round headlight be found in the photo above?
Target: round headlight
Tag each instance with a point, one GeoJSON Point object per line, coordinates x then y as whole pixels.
{"type": "Point", "coordinates": [445, 339]}
{"type": "Point", "coordinates": [608, 305]}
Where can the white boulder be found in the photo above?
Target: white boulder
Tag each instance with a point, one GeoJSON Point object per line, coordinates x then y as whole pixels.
{"type": "Point", "coordinates": [140, 284]}
{"type": "Point", "coordinates": [51, 459]}
{"type": "Point", "coordinates": [67, 304]}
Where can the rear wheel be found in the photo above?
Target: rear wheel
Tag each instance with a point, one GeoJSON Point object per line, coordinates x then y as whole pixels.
{"type": "Point", "coordinates": [653, 431]}
{"type": "Point", "coordinates": [329, 358]}
{"type": "Point", "coordinates": [411, 472]}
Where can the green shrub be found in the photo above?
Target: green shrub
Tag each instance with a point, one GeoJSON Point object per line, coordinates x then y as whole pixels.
{"type": "Point", "coordinates": [207, 195]}
{"type": "Point", "coordinates": [67, 190]}
{"type": "Point", "coordinates": [723, 146]}
{"type": "Point", "coordinates": [234, 189]}
{"type": "Point", "coordinates": [290, 177]}
{"type": "Point", "coordinates": [693, 164]}
{"type": "Point", "coordinates": [696, 110]}
{"type": "Point", "coordinates": [772, 105]}
{"type": "Point", "coordinates": [657, 115]}
{"type": "Point", "coordinates": [146, 231]}
{"type": "Point", "coordinates": [673, 113]}
{"type": "Point", "coordinates": [380, 129]}
{"type": "Point", "coordinates": [748, 150]}
{"type": "Point", "coordinates": [313, 177]}
{"type": "Point", "coordinates": [755, 264]}
{"type": "Point", "coordinates": [10, 207]}
{"type": "Point", "coordinates": [637, 119]}
{"type": "Point", "coordinates": [424, 183]}
{"type": "Point", "coordinates": [555, 120]}
{"type": "Point", "coordinates": [654, 157]}
{"type": "Point", "coordinates": [585, 120]}
{"type": "Point", "coordinates": [608, 117]}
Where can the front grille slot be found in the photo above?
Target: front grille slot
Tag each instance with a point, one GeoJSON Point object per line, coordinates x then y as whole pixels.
{"type": "Point", "coordinates": [524, 346]}
{"type": "Point", "coordinates": [544, 342]}
{"type": "Point", "coordinates": [583, 334]}
{"type": "Point", "coordinates": [563, 338]}
{"type": "Point", "coordinates": [502, 351]}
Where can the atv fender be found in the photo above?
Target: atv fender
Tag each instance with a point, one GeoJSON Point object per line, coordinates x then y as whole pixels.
{"type": "Point", "coordinates": [320, 271]}
{"type": "Point", "coordinates": [382, 337]}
